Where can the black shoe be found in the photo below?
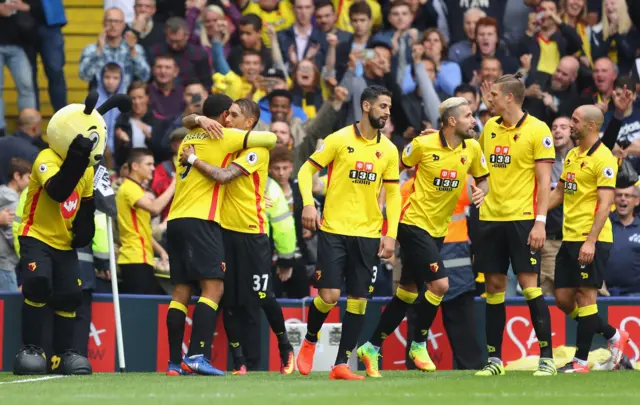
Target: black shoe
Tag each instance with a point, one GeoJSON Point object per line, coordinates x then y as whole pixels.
{"type": "Point", "coordinates": [31, 360]}
{"type": "Point", "coordinates": [70, 363]}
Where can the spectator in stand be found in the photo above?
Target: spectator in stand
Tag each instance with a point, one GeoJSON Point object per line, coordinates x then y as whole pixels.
{"type": "Point", "coordinates": [456, 11]}
{"type": "Point", "coordinates": [448, 74]}
{"type": "Point", "coordinates": [424, 14]}
{"type": "Point", "coordinates": [557, 95]}
{"type": "Point", "coordinates": [148, 31]}
{"type": "Point", "coordinates": [487, 41]}
{"type": "Point", "coordinates": [361, 26]}
{"type": "Point", "coordinates": [574, 14]}
{"type": "Point", "coordinates": [12, 55]}
{"type": "Point", "coordinates": [302, 40]}
{"type": "Point", "coordinates": [465, 48]}
{"type": "Point", "coordinates": [622, 273]}
{"type": "Point", "coordinates": [250, 27]}
{"type": "Point", "coordinates": [490, 71]}
{"type": "Point", "coordinates": [30, 128]}
{"type": "Point", "coordinates": [547, 41]}
{"type": "Point", "coordinates": [203, 22]}
{"type": "Point", "coordinates": [113, 47]}
{"type": "Point", "coordinates": [305, 135]}
{"type": "Point", "coordinates": [276, 13]}
{"type": "Point", "coordinates": [275, 79]}
{"type": "Point", "coordinates": [615, 36]}
{"type": "Point", "coordinates": [49, 43]}
{"type": "Point", "coordinates": [134, 129]}
{"type": "Point", "coordinates": [248, 85]}
{"type": "Point", "coordinates": [326, 19]}
{"type": "Point", "coordinates": [165, 96]}
{"type": "Point", "coordinates": [165, 171]}
{"type": "Point", "coordinates": [605, 73]}
{"type": "Point", "coordinates": [343, 11]}
{"type": "Point", "coordinates": [561, 131]}
{"type": "Point", "coordinates": [308, 90]}
{"type": "Point", "coordinates": [192, 60]}
{"type": "Point", "coordinates": [194, 96]}
{"type": "Point", "coordinates": [400, 37]}
{"type": "Point", "coordinates": [111, 82]}
{"type": "Point", "coordinates": [19, 172]}
{"type": "Point", "coordinates": [127, 7]}
{"type": "Point", "coordinates": [629, 133]}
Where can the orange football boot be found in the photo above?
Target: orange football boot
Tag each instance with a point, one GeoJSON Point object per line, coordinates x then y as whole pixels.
{"type": "Point", "coordinates": [305, 357]}
{"type": "Point", "coordinates": [342, 372]}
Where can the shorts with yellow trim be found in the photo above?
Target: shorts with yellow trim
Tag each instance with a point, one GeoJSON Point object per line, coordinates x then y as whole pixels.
{"type": "Point", "coordinates": [420, 252]}
{"type": "Point", "coordinates": [500, 243]}
{"type": "Point", "coordinates": [248, 278]}
{"type": "Point", "coordinates": [347, 260]}
{"type": "Point", "coordinates": [195, 250]}
{"type": "Point", "coordinates": [570, 274]}
{"type": "Point", "coordinates": [60, 267]}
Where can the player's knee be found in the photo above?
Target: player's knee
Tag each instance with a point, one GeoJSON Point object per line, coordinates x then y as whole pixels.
{"type": "Point", "coordinates": [212, 289]}
{"type": "Point", "coordinates": [67, 302]}
{"type": "Point", "coordinates": [329, 296]}
{"type": "Point", "coordinates": [495, 283]}
{"type": "Point", "coordinates": [37, 289]}
{"type": "Point", "coordinates": [439, 287]}
{"type": "Point", "coordinates": [565, 299]}
{"type": "Point", "coordinates": [181, 294]}
{"type": "Point", "coordinates": [528, 280]}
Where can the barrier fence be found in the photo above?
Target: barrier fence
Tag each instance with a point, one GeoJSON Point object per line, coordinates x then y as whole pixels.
{"type": "Point", "coordinates": [146, 347]}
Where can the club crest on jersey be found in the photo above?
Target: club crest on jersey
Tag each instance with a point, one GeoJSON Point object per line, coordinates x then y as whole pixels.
{"type": "Point", "coordinates": [223, 266]}
{"type": "Point", "coordinates": [583, 164]}
{"type": "Point", "coordinates": [516, 137]}
{"type": "Point", "coordinates": [608, 172]}
{"type": "Point", "coordinates": [547, 142]}
{"type": "Point", "coordinates": [463, 159]}
{"type": "Point", "coordinates": [378, 154]}
{"type": "Point", "coordinates": [434, 267]}
{"type": "Point", "coordinates": [70, 206]}
{"type": "Point", "coordinates": [32, 266]}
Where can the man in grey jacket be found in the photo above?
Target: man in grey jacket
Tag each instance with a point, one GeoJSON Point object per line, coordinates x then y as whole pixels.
{"type": "Point", "coordinates": [19, 171]}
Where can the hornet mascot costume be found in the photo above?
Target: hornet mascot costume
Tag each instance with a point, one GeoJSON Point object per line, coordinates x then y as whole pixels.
{"type": "Point", "coordinates": [59, 212]}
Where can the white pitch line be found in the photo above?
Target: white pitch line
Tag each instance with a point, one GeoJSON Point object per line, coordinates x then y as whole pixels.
{"type": "Point", "coordinates": [49, 377]}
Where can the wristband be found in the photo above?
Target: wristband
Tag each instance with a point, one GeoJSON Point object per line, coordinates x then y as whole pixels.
{"type": "Point", "coordinates": [542, 218]}
{"type": "Point", "coordinates": [191, 159]}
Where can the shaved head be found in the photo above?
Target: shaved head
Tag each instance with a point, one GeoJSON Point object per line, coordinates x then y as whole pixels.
{"type": "Point", "coordinates": [592, 113]}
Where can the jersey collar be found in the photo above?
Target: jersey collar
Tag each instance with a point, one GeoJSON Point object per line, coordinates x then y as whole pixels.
{"type": "Point", "coordinates": [443, 140]}
{"type": "Point", "coordinates": [134, 182]}
{"type": "Point", "coordinates": [519, 123]}
{"type": "Point", "coordinates": [594, 147]}
{"type": "Point", "coordinates": [359, 135]}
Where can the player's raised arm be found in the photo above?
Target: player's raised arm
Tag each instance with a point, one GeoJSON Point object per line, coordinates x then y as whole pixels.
{"type": "Point", "coordinates": [212, 127]}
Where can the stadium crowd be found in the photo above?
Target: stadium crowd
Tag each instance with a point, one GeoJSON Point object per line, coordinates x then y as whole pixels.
{"type": "Point", "coordinates": [306, 64]}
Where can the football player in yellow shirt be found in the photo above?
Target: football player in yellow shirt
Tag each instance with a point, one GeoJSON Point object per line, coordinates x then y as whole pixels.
{"type": "Point", "coordinates": [360, 161]}
{"type": "Point", "coordinates": [135, 256]}
{"type": "Point", "coordinates": [588, 179]}
{"type": "Point", "coordinates": [247, 248]}
{"type": "Point", "coordinates": [194, 236]}
{"type": "Point", "coordinates": [519, 151]}
{"type": "Point", "coordinates": [442, 161]}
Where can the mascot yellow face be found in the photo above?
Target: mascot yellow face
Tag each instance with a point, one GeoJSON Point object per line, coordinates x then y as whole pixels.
{"type": "Point", "coordinates": [83, 119]}
{"type": "Point", "coordinates": [72, 121]}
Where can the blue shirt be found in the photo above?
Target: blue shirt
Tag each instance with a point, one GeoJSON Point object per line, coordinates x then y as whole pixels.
{"type": "Point", "coordinates": [630, 128]}
{"type": "Point", "coordinates": [622, 273]}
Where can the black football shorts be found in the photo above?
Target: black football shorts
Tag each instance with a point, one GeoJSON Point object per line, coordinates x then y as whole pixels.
{"type": "Point", "coordinates": [500, 243]}
{"type": "Point", "coordinates": [570, 274]}
{"type": "Point", "coordinates": [420, 252]}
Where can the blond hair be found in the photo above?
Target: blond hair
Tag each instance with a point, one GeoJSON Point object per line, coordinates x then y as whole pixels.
{"type": "Point", "coordinates": [512, 84]}
{"type": "Point", "coordinates": [624, 21]}
{"type": "Point", "coordinates": [449, 108]}
{"type": "Point", "coordinates": [204, 38]}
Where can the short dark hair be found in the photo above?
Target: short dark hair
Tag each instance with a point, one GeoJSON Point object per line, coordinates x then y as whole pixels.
{"type": "Point", "coordinates": [360, 7]}
{"type": "Point", "coordinates": [175, 24]}
{"type": "Point", "coordinates": [112, 67]}
{"type": "Point", "coordinates": [215, 105]}
{"type": "Point", "coordinates": [324, 3]}
{"type": "Point", "coordinates": [138, 84]}
{"type": "Point", "coordinates": [280, 93]}
{"type": "Point", "coordinates": [165, 56]}
{"type": "Point", "coordinates": [250, 109]}
{"type": "Point", "coordinates": [136, 154]}
{"type": "Point", "coordinates": [280, 153]}
{"type": "Point", "coordinates": [512, 84]}
{"type": "Point", "coordinates": [622, 81]}
{"type": "Point", "coordinates": [251, 52]}
{"type": "Point", "coordinates": [399, 3]}
{"type": "Point", "coordinates": [371, 94]}
{"type": "Point", "coordinates": [466, 88]}
{"type": "Point", "coordinates": [18, 165]}
{"type": "Point", "coordinates": [251, 19]}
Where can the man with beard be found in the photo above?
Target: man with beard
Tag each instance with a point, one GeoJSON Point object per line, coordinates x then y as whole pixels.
{"type": "Point", "coordinates": [359, 160]}
{"type": "Point", "coordinates": [589, 179]}
{"type": "Point", "coordinates": [557, 96]}
{"type": "Point", "coordinates": [442, 161]}
{"type": "Point", "coordinates": [519, 149]}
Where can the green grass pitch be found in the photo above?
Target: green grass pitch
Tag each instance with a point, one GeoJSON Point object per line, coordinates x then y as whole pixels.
{"type": "Point", "coordinates": [259, 388]}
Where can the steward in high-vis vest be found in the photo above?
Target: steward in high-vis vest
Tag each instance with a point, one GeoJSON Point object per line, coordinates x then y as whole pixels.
{"type": "Point", "coordinates": [280, 226]}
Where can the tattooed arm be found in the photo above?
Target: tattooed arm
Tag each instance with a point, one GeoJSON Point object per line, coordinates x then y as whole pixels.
{"type": "Point", "coordinates": [220, 175]}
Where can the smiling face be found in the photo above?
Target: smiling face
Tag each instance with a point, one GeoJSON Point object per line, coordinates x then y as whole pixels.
{"type": "Point", "coordinates": [561, 131]}
{"type": "Point", "coordinates": [604, 75]}
{"type": "Point", "coordinates": [626, 200]}
{"type": "Point", "coordinates": [578, 124]}
{"type": "Point", "coordinates": [251, 66]}
{"type": "Point", "coordinates": [487, 39]}
{"type": "Point", "coordinates": [236, 119]}
{"type": "Point", "coordinates": [71, 121]}
{"type": "Point", "coordinates": [305, 74]}
{"type": "Point", "coordinates": [574, 8]}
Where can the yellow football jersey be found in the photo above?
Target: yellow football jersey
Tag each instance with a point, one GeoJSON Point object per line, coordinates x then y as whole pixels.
{"type": "Point", "coordinates": [441, 174]}
{"type": "Point", "coordinates": [134, 224]}
{"type": "Point", "coordinates": [46, 219]}
{"type": "Point", "coordinates": [511, 155]}
{"type": "Point", "coordinates": [281, 18]}
{"type": "Point", "coordinates": [357, 167]}
{"type": "Point", "coordinates": [243, 208]}
{"type": "Point", "coordinates": [198, 196]}
{"type": "Point", "coordinates": [583, 174]}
